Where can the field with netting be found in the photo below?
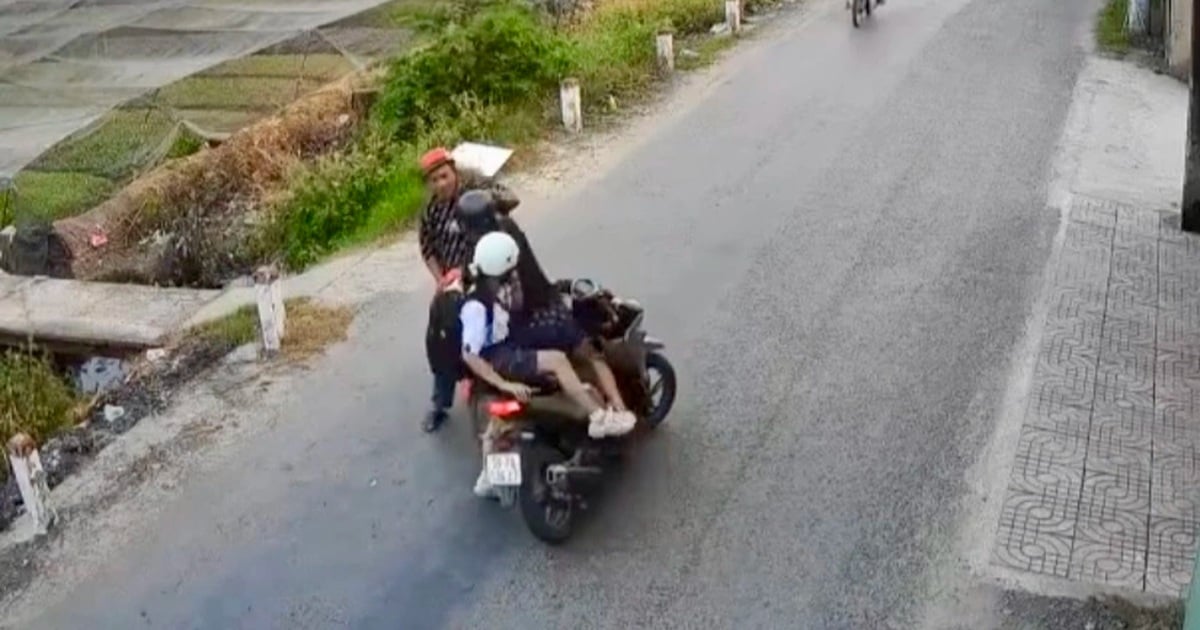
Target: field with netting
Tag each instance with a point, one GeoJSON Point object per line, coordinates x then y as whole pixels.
{"type": "Point", "coordinates": [83, 112]}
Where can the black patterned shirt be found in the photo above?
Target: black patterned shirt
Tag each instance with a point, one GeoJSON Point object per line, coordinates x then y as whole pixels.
{"type": "Point", "coordinates": [440, 235]}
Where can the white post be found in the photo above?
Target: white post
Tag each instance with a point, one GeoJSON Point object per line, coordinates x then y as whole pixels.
{"type": "Point", "coordinates": [572, 106]}
{"type": "Point", "coordinates": [31, 481]}
{"type": "Point", "coordinates": [271, 316]}
{"type": "Point", "coordinates": [733, 15]}
{"type": "Point", "coordinates": [665, 45]}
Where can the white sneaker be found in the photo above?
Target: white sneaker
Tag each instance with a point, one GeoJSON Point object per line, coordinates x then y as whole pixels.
{"type": "Point", "coordinates": [600, 424]}
{"type": "Point", "coordinates": [484, 488]}
{"type": "Point", "coordinates": [623, 422]}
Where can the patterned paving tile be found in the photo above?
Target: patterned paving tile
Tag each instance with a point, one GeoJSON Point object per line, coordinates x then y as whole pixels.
{"type": "Point", "coordinates": [1071, 342]}
{"type": "Point", "coordinates": [1054, 392]}
{"type": "Point", "coordinates": [1177, 376]}
{"type": "Point", "coordinates": [1089, 241]}
{"type": "Point", "coordinates": [1170, 556]}
{"type": "Point", "coordinates": [1109, 547]}
{"type": "Point", "coordinates": [1079, 301]}
{"type": "Point", "coordinates": [1049, 464]}
{"type": "Point", "coordinates": [1094, 212]}
{"type": "Point", "coordinates": [1134, 255]}
{"type": "Point", "coordinates": [1122, 425]}
{"type": "Point", "coordinates": [1035, 534]}
{"type": "Point", "coordinates": [1127, 490]}
{"type": "Point", "coordinates": [1127, 379]}
{"type": "Point", "coordinates": [1126, 293]}
{"type": "Point", "coordinates": [1178, 332]}
{"type": "Point", "coordinates": [1120, 453]}
{"type": "Point", "coordinates": [1175, 487]}
{"type": "Point", "coordinates": [1179, 258]}
{"type": "Point", "coordinates": [1136, 221]}
{"type": "Point", "coordinates": [1048, 411]}
{"type": "Point", "coordinates": [1080, 269]}
{"type": "Point", "coordinates": [1177, 421]}
{"type": "Point", "coordinates": [1121, 335]}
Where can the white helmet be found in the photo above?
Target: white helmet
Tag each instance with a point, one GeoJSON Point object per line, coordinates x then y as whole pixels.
{"type": "Point", "coordinates": [495, 254]}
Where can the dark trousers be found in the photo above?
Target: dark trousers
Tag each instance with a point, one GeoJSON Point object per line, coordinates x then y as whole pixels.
{"type": "Point", "coordinates": [443, 392]}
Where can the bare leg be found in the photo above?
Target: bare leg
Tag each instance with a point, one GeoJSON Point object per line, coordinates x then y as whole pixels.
{"type": "Point", "coordinates": [604, 375]}
{"type": "Point", "coordinates": [556, 363]}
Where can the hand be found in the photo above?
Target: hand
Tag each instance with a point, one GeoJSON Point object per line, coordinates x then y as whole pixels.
{"type": "Point", "coordinates": [449, 278]}
{"type": "Point", "coordinates": [519, 391]}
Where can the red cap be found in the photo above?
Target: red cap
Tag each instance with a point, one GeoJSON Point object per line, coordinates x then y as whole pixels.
{"type": "Point", "coordinates": [435, 158]}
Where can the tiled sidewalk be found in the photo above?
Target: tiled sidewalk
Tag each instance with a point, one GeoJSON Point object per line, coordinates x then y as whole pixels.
{"type": "Point", "coordinates": [1105, 486]}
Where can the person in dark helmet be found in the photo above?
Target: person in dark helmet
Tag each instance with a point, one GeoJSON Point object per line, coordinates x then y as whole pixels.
{"type": "Point", "coordinates": [541, 319]}
{"type": "Point", "coordinates": [446, 251]}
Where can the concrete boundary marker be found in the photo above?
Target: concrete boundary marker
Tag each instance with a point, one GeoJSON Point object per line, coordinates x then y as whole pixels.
{"type": "Point", "coordinates": [27, 468]}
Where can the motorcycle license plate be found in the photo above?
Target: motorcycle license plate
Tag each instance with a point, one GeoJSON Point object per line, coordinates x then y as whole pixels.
{"type": "Point", "coordinates": [504, 469]}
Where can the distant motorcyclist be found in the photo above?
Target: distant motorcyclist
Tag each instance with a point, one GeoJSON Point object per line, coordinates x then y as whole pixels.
{"type": "Point", "coordinates": [494, 358]}
{"type": "Point", "coordinates": [541, 319]}
{"type": "Point", "coordinates": [444, 247]}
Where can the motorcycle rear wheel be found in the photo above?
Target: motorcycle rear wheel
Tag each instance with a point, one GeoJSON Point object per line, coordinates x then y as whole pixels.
{"type": "Point", "coordinates": [857, 12]}
{"type": "Point", "coordinates": [549, 519]}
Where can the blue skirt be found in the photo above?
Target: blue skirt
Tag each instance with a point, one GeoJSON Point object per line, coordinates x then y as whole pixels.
{"type": "Point", "coordinates": [550, 328]}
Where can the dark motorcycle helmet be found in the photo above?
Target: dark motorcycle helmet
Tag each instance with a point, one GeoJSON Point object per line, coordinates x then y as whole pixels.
{"type": "Point", "coordinates": [476, 213]}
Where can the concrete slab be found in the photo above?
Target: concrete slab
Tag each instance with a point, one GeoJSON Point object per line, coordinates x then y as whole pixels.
{"type": "Point", "coordinates": [88, 313]}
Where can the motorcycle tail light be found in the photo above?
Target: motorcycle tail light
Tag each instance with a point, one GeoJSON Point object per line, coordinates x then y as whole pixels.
{"type": "Point", "coordinates": [504, 409]}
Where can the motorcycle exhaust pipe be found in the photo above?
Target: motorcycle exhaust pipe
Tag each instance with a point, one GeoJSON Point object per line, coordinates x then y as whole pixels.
{"type": "Point", "coordinates": [563, 475]}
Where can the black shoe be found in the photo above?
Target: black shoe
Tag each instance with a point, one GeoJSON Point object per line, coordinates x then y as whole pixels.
{"type": "Point", "coordinates": [434, 420]}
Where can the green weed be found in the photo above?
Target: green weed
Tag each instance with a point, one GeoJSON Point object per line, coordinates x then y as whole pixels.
{"type": "Point", "coordinates": [1110, 28]}
{"type": "Point", "coordinates": [34, 399]}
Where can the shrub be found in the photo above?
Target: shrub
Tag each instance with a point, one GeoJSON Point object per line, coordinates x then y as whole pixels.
{"type": "Point", "coordinates": [33, 398]}
{"type": "Point", "coordinates": [500, 56]}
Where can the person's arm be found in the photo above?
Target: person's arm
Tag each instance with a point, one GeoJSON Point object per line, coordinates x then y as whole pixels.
{"type": "Point", "coordinates": [474, 333]}
{"type": "Point", "coordinates": [488, 374]}
{"type": "Point", "coordinates": [425, 237]}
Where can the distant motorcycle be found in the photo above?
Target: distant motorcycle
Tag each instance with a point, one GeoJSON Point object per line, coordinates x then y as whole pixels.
{"type": "Point", "coordinates": [860, 10]}
{"type": "Point", "coordinates": [540, 457]}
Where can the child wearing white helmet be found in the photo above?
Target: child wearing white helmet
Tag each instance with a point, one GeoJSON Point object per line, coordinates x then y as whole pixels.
{"type": "Point", "coordinates": [495, 359]}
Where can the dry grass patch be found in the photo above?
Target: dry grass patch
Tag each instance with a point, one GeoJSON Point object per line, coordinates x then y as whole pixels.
{"type": "Point", "coordinates": [312, 327]}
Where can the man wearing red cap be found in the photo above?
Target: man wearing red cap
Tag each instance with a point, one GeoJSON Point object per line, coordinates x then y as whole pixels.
{"type": "Point", "coordinates": [445, 247]}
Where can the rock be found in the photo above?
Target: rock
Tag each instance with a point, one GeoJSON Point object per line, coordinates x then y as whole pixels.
{"type": "Point", "coordinates": [112, 413]}
{"type": "Point", "coordinates": [247, 353]}
{"type": "Point", "coordinates": [688, 53]}
{"type": "Point", "coordinates": [721, 28]}
{"type": "Point", "coordinates": [154, 355]}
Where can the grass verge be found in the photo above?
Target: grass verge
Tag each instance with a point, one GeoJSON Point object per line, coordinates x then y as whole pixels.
{"type": "Point", "coordinates": [34, 399]}
{"type": "Point", "coordinates": [489, 73]}
{"type": "Point", "coordinates": [311, 328]}
{"type": "Point", "coordinates": [1111, 35]}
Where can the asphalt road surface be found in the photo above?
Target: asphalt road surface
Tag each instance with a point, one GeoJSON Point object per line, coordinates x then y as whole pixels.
{"type": "Point", "coordinates": [840, 244]}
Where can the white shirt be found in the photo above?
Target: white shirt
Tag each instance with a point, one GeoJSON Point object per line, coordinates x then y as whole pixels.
{"type": "Point", "coordinates": [474, 326]}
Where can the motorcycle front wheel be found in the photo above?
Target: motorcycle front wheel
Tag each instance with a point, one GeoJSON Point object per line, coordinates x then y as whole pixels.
{"type": "Point", "coordinates": [548, 518]}
{"type": "Point", "coordinates": [660, 375]}
{"type": "Point", "coordinates": [857, 12]}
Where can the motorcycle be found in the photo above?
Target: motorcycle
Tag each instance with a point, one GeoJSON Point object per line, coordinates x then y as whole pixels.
{"type": "Point", "coordinates": [860, 10]}
{"type": "Point", "coordinates": [539, 457]}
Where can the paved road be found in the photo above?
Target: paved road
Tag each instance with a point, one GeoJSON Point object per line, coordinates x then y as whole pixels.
{"type": "Point", "coordinates": [841, 245]}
